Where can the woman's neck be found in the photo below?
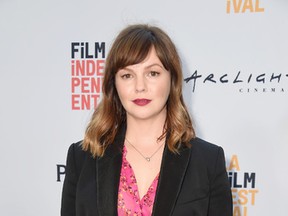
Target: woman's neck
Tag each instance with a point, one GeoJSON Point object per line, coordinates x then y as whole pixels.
{"type": "Point", "coordinates": [144, 132]}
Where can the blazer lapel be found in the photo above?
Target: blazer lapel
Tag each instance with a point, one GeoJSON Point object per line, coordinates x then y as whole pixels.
{"type": "Point", "coordinates": [108, 175]}
{"type": "Point", "coordinates": [172, 173]}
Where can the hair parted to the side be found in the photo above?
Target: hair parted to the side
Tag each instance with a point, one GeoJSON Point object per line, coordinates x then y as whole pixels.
{"type": "Point", "coordinates": [132, 46]}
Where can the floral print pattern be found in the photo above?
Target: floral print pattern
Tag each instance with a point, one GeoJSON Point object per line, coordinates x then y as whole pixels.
{"type": "Point", "coordinates": [129, 202]}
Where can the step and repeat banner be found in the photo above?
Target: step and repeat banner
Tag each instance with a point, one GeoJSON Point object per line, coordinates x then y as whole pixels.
{"type": "Point", "coordinates": [235, 61]}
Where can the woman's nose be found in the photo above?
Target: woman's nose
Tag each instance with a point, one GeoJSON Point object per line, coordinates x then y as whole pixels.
{"type": "Point", "coordinates": [140, 85]}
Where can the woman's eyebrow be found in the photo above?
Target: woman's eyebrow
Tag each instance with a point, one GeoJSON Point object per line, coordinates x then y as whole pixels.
{"type": "Point", "coordinates": [154, 64]}
{"type": "Point", "coordinates": [146, 67]}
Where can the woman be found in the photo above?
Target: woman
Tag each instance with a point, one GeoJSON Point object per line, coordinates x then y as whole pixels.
{"type": "Point", "coordinates": [140, 155]}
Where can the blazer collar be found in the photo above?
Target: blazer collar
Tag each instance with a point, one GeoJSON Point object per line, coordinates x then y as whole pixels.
{"type": "Point", "coordinates": [172, 172]}
{"type": "Point", "coordinates": [173, 169]}
{"type": "Point", "coordinates": [108, 170]}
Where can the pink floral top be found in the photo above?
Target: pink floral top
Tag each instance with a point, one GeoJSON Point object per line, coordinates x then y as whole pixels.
{"type": "Point", "coordinates": [129, 202]}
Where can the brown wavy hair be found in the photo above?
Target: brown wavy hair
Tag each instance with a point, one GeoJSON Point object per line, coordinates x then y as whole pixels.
{"type": "Point", "coordinates": [132, 46]}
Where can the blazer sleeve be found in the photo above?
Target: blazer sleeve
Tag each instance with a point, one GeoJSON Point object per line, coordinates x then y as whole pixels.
{"type": "Point", "coordinates": [220, 191]}
{"type": "Point", "coordinates": [72, 172]}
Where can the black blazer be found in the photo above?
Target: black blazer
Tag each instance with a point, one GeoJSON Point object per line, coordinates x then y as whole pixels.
{"type": "Point", "coordinates": [192, 183]}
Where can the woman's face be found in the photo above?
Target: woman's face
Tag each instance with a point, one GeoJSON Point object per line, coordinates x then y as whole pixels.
{"type": "Point", "coordinates": [144, 88]}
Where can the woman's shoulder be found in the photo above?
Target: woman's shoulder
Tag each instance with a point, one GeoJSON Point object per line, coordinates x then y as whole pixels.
{"type": "Point", "coordinates": [209, 151]}
{"type": "Point", "coordinates": [76, 155]}
{"type": "Point", "coordinates": [209, 155]}
{"type": "Point", "coordinates": [203, 145]}
{"type": "Point", "coordinates": [76, 150]}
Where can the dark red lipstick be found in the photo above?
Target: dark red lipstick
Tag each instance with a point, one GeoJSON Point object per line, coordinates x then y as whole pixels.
{"type": "Point", "coordinates": [141, 102]}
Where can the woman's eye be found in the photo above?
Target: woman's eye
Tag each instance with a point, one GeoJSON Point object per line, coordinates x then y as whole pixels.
{"type": "Point", "coordinates": [153, 73]}
{"type": "Point", "coordinates": [126, 76]}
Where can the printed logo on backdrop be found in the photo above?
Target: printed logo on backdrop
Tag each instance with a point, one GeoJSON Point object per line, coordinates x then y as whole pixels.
{"type": "Point", "coordinates": [242, 81]}
{"type": "Point", "coordinates": [60, 173]}
{"type": "Point", "coordinates": [243, 186]}
{"type": "Point", "coordinates": [243, 6]}
{"type": "Point", "coordinates": [87, 65]}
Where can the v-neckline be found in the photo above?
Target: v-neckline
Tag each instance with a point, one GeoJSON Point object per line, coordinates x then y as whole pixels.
{"type": "Point", "coordinates": [134, 176]}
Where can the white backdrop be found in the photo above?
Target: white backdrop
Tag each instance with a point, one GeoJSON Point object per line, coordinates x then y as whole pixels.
{"type": "Point", "coordinates": [238, 100]}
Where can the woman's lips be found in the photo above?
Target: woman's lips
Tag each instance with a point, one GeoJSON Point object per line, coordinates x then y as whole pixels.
{"type": "Point", "coordinates": [141, 102]}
